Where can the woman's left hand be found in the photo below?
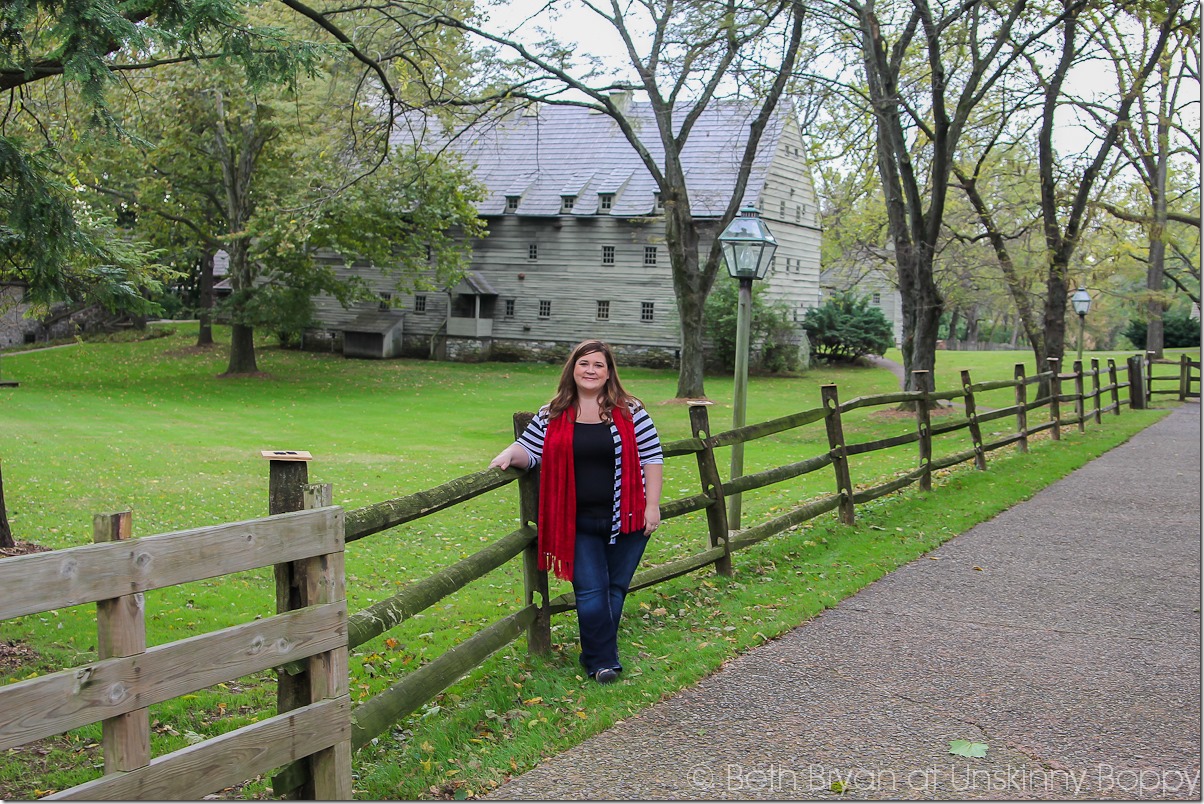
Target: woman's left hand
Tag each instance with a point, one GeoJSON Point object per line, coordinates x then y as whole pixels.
{"type": "Point", "coordinates": [652, 518]}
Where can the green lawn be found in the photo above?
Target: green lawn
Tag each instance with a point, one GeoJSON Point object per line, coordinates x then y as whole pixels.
{"type": "Point", "coordinates": [150, 427]}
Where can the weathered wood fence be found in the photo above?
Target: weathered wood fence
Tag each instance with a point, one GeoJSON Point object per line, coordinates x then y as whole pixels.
{"type": "Point", "coordinates": [1185, 381]}
{"type": "Point", "coordinates": [128, 676]}
{"type": "Point", "coordinates": [315, 731]}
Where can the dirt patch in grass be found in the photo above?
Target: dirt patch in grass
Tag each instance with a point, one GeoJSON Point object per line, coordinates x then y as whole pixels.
{"type": "Point", "coordinates": [22, 549]}
{"type": "Point", "coordinates": [14, 655]}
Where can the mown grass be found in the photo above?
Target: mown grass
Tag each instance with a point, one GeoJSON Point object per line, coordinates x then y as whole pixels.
{"type": "Point", "coordinates": [150, 427]}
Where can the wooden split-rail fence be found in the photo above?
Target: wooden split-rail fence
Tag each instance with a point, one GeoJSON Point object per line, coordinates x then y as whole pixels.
{"type": "Point", "coordinates": [316, 731]}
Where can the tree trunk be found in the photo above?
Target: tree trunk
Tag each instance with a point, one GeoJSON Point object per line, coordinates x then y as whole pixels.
{"type": "Point", "coordinates": [691, 288]}
{"type": "Point", "coordinates": [954, 315]}
{"type": "Point", "coordinates": [242, 350]}
{"type": "Point", "coordinates": [922, 310]}
{"type": "Point", "coordinates": [6, 532]}
{"type": "Point", "coordinates": [205, 307]}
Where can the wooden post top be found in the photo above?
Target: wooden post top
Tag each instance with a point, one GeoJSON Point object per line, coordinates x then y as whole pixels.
{"type": "Point", "coordinates": [286, 455]}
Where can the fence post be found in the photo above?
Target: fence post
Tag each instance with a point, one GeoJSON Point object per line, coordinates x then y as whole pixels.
{"type": "Point", "coordinates": [327, 674]}
{"type": "Point", "coordinates": [922, 382]}
{"type": "Point", "coordinates": [1114, 383]}
{"type": "Point", "coordinates": [1095, 393]}
{"type": "Point", "coordinates": [980, 457]}
{"type": "Point", "coordinates": [1080, 405]}
{"type": "Point", "coordinates": [1184, 377]}
{"type": "Point", "coordinates": [1150, 357]}
{"type": "Point", "coordinates": [712, 486]}
{"type": "Point", "coordinates": [288, 477]}
{"type": "Point", "coordinates": [1055, 391]}
{"type": "Point", "coordinates": [840, 459]}
{"type": "Point", "coordinates": [121, 632]}
{"type": "Point", "coordinates": [1021, 406]}
{"type": "Point", "coordinates": [535, 580]}
{"type": "Point", "coordinates": [1136, 387]}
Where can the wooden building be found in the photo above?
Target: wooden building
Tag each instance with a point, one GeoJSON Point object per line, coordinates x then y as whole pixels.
{"type": "Point", "coordinates": [576, 246]}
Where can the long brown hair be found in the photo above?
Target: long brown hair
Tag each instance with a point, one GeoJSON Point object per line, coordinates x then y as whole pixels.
{"type": "Point", "coordinates": [613, 394]}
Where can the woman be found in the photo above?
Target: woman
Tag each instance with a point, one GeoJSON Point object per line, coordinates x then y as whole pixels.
{"type": "Point", "coordinates": [599, 493]}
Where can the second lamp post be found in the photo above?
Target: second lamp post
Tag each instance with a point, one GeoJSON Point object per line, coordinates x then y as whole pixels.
{"type": "Point", "coordinates": [748, 247]}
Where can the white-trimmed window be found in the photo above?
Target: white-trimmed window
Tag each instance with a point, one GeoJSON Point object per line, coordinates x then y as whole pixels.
{"type": "Point", "coordinates": [603, 309]}
{"type": "Point", "coordinates": [876, 298]}
{"type": "Point", "coordinates": [608, 255]}
{"type": "Point", "coordinates": [545, 308]}
{"type": "Point", "coordinates": [658, 203]}
{"type": "Point", "coordinates": [605, 201]}
{"type": "Point", "coordinates": [649, 255]}
{"type": "Point", "coordinates": [512, 203]}
{"type": "Point", "coordinates": [647, 310]}
{"type": "Point", "coordinates": [567, 202]}
{"type": "Point", "coordinates": [420, 304]}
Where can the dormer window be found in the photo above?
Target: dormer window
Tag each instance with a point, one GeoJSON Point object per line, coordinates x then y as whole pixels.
{"type": "Point", "coordinates": [605, 201]}
{"type": "Point", "coordinates": [567, 202]}
{"type": "Point", "coordinates": [658, 203]}
{"type": "Point", "coordinates": [512, 203]}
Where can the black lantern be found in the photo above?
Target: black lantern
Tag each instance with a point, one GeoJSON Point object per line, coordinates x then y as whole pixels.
{"type": "Point", "coordinates": [748, 246]}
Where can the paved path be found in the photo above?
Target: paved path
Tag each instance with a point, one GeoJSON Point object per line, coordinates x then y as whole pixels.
{"type": "Point", "coordinates": [1064, 634]}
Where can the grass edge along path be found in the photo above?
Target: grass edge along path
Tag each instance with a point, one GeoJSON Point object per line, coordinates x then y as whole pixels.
{"type": "Point", "coordinates": [506, 716]}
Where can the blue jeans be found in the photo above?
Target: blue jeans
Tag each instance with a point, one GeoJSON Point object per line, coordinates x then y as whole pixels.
{"type": "Point", "coordinates": [602, 573]}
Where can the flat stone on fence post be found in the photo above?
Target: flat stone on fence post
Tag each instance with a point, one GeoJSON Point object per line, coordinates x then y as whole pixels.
{"type": "Point", "coordinates": [840, 458]}
{"type": "Point", "coordinates": [922, 382]}
{"type": "Point", "coordinates": [712, 486]}
{"type": "Point", "coordinates": [121, 632]}
{"type": "Point", "coordinates": [1021, 406]}
{"type": "Point", "coordinates": [535, 580]}
{"type": "Point", "coordinates": [1055, 403]}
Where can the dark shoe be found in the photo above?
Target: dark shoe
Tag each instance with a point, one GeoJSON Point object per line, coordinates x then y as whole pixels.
{"type": "Point", "coordinates": [606, 675]}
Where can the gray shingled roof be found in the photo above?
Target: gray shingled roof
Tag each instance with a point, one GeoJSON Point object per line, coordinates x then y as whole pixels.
{"type": "Point", "coordinates": [379, 321]}
{"type": "Point", "coordinates": [569, 150]}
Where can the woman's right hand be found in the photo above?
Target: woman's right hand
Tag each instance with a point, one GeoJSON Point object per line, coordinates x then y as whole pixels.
{"type": "Point", "coordinates": [512, 456]}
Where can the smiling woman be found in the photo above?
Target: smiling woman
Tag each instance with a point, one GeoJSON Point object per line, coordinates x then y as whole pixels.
{"type": "Point", "coordinates": [600, 490]}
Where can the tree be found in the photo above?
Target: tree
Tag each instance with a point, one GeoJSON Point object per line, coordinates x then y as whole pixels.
{"type": "Point", "coordinates": [1069, 185]}
{"type": "Point", "coordinates": [920, 73]}
{"type": "Point", "coordinates": [847, 326]}
{"type": "Point", "coordinates": [209, 162]}
{"type": "Point", "coordinates": [1158, 136]}
{"type": "Point", "coordinates": [81, 46]}
{"type": "Point", "coordinates": [684, 57]}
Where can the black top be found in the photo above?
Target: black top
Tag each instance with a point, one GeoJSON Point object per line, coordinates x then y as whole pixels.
{"type": "Point", "coordinates": [594, 468]}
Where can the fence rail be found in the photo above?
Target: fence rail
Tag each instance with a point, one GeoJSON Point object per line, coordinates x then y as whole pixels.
{"type": "Point", "coordinates": [309, 638]}
{"type": "Point", "coordinates": [128, 677]}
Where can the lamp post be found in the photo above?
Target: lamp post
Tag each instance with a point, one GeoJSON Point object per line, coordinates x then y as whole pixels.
{"type": "Point", "coordinates": [748, 248]}
{"type": "Point", "coordinates": [1081, 302]}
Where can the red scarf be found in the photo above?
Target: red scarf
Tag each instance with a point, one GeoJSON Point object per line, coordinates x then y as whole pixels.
{"type": "Point", "coordinates": [558, 490]}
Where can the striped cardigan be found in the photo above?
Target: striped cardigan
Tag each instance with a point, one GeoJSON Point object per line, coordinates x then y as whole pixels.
{"type": "Point", "coordinates": [647, 442]}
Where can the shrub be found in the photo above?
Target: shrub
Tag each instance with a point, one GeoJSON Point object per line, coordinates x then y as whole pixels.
{"type": "Point", "coordinates": [774, 338]}
{"type": "Point", "coordinates": [1179, 330]}
{"type": "Point", "coordinates": [847, 326]}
